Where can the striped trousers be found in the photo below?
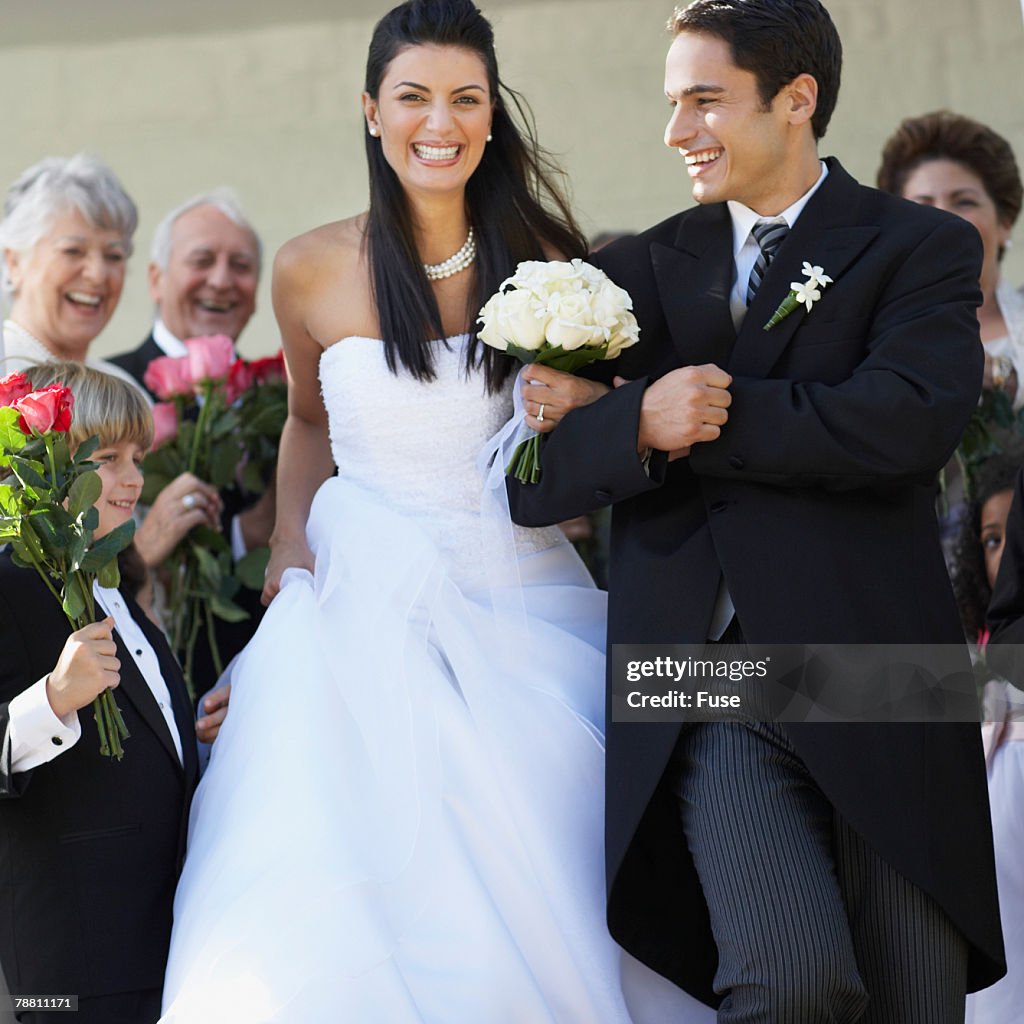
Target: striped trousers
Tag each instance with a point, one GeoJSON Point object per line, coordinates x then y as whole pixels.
{"type": "Point", "coordinates": [812, 926]}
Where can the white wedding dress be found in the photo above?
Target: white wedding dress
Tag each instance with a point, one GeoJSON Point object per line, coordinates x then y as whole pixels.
{"type": "Point", "coordinates": [402, 817]}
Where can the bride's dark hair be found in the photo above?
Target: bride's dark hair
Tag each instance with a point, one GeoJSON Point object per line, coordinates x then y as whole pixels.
{"type": "Point", "coordinates": [513, 201]}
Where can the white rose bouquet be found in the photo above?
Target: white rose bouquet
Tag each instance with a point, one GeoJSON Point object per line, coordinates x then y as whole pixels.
{"type": "Point", "coordinates": [562, 315]}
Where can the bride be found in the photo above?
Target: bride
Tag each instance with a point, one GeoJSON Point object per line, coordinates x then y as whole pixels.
{"type": "Point", "coordinates": [402, 820]}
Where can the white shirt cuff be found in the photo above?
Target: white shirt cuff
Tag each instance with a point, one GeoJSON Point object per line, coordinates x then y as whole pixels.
{"type": "Point", "coordinates": [238, 548]}
{"type": "Point", "coordinates": [37, 734]}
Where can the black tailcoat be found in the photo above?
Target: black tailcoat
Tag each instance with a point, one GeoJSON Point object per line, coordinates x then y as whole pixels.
{"type": "Point", "coordinates": [817, 506]}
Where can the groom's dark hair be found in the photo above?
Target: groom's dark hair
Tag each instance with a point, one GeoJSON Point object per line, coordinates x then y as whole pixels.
{"type": "Point", "coordinates": [776, 40]}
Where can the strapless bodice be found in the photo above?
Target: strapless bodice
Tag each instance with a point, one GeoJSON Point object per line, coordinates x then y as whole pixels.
{"type": "Point", "coordinates": [414, 444]}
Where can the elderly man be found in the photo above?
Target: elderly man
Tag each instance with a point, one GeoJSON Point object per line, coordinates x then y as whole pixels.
{"type": "Point", "coordinates": [203, 273]}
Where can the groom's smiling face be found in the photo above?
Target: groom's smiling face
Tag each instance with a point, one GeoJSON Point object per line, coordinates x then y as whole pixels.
{"type": "Point", "coordinates": [734, 145]}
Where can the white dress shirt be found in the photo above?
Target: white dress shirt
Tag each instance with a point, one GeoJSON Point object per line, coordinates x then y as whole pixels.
{"type": "Point", "coordinates": [37, 735]}
{"type": "Point", "coordinates": [168, 343]}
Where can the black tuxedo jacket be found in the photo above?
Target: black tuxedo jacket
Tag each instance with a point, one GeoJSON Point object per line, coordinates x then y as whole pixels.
{"type": "Point", "coordinates": [90, 849]}
{"type": "Point", "coordinates": [136, 361]}
{"type": "Point", "coordinates": [816, 503]}
{"type": "Point", "coordinates": [231, 636]}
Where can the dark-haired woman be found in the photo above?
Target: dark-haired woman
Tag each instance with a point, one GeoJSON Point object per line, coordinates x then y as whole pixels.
{"type": "Point", "coordinates": [414, 833]}
{"type": "Point", "coordinates": [959, 165]}
{"type": "Point", "coordinates": [989, 588]}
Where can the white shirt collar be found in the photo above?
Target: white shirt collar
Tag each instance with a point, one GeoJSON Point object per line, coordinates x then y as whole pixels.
{"type": "Point", "coordinates": [744, 218]}
{"type": "Point", "coordinates": [168, 343]}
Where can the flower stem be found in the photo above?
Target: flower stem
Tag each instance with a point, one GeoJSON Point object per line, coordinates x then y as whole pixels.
{"type": "Point", "coordinates": [197, 437]}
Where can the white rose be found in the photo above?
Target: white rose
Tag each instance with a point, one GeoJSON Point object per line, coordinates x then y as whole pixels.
{"type": "Point", "coordinates": [627, 334]}
{"type": "Point", "coordinates": [572, 323]}
{"type": "Point", "coordinates": [530, 274]}
{"type": "Point", "coordinates": [521, 319]}
{"type": "Point", "coordinates": [610, 303]}
{"type": "Point", "coordinates": [489, 331]}
{"type": "Point", "coordinates": [593, 277]}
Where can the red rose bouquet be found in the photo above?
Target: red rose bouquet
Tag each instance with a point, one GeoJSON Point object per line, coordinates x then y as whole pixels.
{"type": "Point", "coordinates": [48, 515]}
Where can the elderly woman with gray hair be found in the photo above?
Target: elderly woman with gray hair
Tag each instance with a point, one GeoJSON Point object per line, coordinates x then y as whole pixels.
{"type": "Point", "coordinates": [66, 236]}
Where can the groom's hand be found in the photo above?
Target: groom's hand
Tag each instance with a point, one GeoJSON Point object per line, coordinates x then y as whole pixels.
{"type": "Point", "coordinates": [684, 407]}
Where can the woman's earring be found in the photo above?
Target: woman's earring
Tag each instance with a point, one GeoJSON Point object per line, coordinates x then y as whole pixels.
{"type": "Point", "coordinates": [489, 136]}
{"type": "Point", "coordinates": [374, 131]}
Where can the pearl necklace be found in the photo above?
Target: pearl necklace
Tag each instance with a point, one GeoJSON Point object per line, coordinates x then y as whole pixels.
{"type": "Point", "coordinates": [454, 264]}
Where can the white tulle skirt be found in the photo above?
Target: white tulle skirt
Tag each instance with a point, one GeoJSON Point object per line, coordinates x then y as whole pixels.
{"type": "Point", "coordinates": [402, 817]}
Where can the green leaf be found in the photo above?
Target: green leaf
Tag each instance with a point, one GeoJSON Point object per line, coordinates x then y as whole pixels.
{"type": "Point", "coordinates": [165, 461]}
{"type": "Point", "coordinates": [251, 568]}
{"type": "Point", "coordinates": [86, 449]}
{"type": "Point", "coordinates": [20, 556]}
{"type": "Point", "coordinates": [54, 539]}
{"type": "Point", "coordinates": [61, 452]}
{"type": "Point", "coordinates": [211, 540]}
{"type": "Point", "coordinates": [108, 547]}
{"type": "Point", "coordinates": [223, 461]}
{"type": "Point", "coordinates": [76, 552]}
{"type": "Point", "coordinates": [74, 603]}
{"type": "Point", "coordinates": [84, 492]}
{"type": "Point", "coordinates": [227, 610]}
{"type": "Point", "coordinates": [268, 421]}
{"type": "Point", "coordinates": [11, 438]}
{"type": "Point", "coordinates": [91, 519]}
{"type": "Point", "coordinates": [8, 500]}
{"type": "Point", "coordinates": [209, 567]}
{"type": "Point", "coordinates": [109, 575]}
{"type": "Point", "coordinates": [573, 360]}
{"type": "Point", "coordinates": [225, 424]}
{"type": "Point", "coordinates": [252, 477]}
{"type": "Point", "coordinates": [30, 473]}
{"type": "Point", "coordinates": [154, 484]}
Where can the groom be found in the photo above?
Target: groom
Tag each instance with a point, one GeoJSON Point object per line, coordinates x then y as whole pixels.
{"type": "Point", "coordinates": [778, 487]}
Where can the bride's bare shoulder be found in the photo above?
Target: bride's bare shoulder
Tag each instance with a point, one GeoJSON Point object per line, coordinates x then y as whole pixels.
{"type": "Point", "coordinates": [323, 278]}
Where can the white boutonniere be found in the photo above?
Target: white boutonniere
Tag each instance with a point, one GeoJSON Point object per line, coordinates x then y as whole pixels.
{"type": "Point", "coordinates": [803, 293]}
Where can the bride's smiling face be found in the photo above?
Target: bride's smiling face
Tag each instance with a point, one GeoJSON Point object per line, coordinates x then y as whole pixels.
{"type": "Point", "coordinates": [432, 116]}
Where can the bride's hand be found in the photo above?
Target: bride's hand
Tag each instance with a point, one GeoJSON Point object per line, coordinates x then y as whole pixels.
{"type": "Point", "coordinates": [284, 554]}
{"type": "Point", "coordinates": [558, 393]}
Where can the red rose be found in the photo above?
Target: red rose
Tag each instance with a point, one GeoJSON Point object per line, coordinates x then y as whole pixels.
{"type": "Point", "coordinates": [268, 370]}
{"type": "Point", "coordinates": [13, 387]}
{"type": "Point", "coordinates": [48, 409]}
{"type": "Point", "coordinates": [165, 423]}
{"type": "Point", "coordinates": [210, 359]}
{"type": "Point", "coordinates": [240, 379]}
{"type": "Point", "coordinates": [168, 377]}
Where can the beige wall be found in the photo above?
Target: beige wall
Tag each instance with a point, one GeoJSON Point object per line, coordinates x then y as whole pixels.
{"type": "Point", "coordinates": [272, 108]}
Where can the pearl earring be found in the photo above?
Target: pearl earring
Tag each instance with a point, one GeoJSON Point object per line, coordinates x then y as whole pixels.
{"type": "Point", "coordinates": [489, 136]}
{"type": "Point", "coordinates": [374, 131]}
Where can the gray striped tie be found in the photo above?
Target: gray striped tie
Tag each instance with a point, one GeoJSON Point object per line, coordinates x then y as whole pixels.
{"type": "Point", "coordinates": [769, 235]}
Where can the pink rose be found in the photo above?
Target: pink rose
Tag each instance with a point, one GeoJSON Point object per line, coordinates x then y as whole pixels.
{"type": "Point", "coordinates": [165, 423]}
{"type": "Point", "coordinates": [45, 410]}
{"type": "Point", "coordinates": [240, 379]}
{"type": "Point", "coordinates": [210, 359]}
{"type": "Point", "coordinates": [13, 387]}
{"type": "Point", "coordinates": [168, 377]}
